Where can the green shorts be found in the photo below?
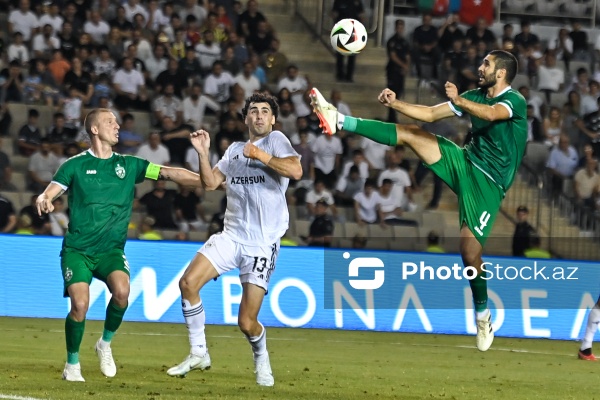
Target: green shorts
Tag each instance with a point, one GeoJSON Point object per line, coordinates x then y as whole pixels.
{"type": "Point", "coordinates": [479, 198]}
{"type": "Point", "coordinates": [78, 267]}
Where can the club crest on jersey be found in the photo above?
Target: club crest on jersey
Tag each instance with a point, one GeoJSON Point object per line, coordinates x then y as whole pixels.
{"type": "Point", "coordinates": [120, 171]}
{"type": "Point", "coordinates": [68, 275]}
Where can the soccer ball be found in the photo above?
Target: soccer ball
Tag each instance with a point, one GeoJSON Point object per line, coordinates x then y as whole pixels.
{"type": "Point", "coordinates": [348, 36]}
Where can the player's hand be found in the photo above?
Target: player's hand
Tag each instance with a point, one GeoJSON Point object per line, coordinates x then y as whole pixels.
{"type": "Point", "coordinates": [43, 204]}
{"type": "Point", "coordinates": [201, 141]}
{"type": "Point", "coordinates": [387, 97]}
{"type": "Point", "coordinates": [251, 151]}
{"type": "Point", "coordinates": [451, 91]}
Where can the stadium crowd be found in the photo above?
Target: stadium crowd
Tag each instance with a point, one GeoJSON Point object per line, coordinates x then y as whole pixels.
{"type": "Point", "coordinates": [190, 64]}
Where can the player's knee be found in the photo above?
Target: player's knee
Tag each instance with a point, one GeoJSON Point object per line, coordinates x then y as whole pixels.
{"type": "Point", "coordinates": [120, 295]}
{"type": "Point", "coordinates": [246, 324]}
{"type": "Point", "coordinates": [79, 308]}
{"type": "Point", "coordinates": [186, 285]}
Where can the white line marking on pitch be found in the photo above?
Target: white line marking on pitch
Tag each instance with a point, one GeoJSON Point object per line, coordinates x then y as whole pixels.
{"type": "Point", "coordinates": [452, 346]}
{"type": "Point", "coordinates": [11, 397]}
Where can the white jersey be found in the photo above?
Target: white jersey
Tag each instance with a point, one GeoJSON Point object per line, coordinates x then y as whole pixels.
{"type": "Point", "coordinates": [257, 212]}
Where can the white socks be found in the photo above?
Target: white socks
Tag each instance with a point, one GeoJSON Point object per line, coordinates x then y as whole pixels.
{"type": "Point", "coordinates": [103, 344]}
{"type": "Point", "coordinates": [195, 320]}
{"type": "Point", "coordinates": [340, 121]}
{"type": "Point", "coordinates": [591, 328]}
{"type": "Point", "coordinates": [259, 345]}
{"type": "Point", "coordinates": [482, 314]}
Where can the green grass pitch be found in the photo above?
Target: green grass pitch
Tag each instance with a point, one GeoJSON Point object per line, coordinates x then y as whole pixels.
{"type": "Point", "coordinates": [307, 364]}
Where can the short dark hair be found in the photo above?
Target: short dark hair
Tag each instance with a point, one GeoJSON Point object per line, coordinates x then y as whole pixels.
{"type": "Point", "coordinates": [433, 238]}
{"type": "Point", "coordinates": [33, 113]}
{"type": "Point", "coordinates": [262, 98]}
{"type": "Point", "coordinates": [92, 118]}
{"type": "Point", "coordinates": [128, 117]}
{"type": "Point", "coordinates": [507, 61]}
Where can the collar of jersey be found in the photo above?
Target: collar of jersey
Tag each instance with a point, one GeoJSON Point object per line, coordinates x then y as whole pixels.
{"type": "Point", "coordinates": [95, 156]}
{"type": "Point", "coordinates": [501, 93]}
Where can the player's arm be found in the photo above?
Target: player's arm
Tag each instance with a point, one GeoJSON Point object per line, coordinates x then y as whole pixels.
{"type": "Point", "coordinates": [210, 178]}
{"type": "Point", "coordinates": [415, 111]}
{"type": "Point", "coordinates": [181, 176]}
{"type": "Point", "coordinates": [288, 167]}
{"type": "Point", "coordinates": [497, 112]}
{"type": "Point", "coordinates": [44, 200]}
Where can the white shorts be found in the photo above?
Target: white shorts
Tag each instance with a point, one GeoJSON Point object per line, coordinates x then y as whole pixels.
{"type": "Point", "coordinates": [256, 263]}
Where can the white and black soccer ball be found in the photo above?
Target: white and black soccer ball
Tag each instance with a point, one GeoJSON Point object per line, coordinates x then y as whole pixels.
{"type": "Point", "coordinates": [348, 36]}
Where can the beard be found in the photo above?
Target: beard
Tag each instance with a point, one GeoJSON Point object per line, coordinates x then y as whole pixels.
{"type": "Point", "coordinates": [488, 80]}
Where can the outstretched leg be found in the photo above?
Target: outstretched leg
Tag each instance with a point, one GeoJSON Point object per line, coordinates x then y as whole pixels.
{"type": "Point", "coordinates": [423, 143]}
{"type": "Point", "coordinates": [585, 351]}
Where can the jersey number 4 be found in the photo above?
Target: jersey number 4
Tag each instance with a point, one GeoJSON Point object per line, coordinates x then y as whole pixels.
{"type": "Point", "coordinates": [483, 221]}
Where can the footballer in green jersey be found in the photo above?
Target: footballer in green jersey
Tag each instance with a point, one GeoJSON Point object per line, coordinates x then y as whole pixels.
{"type": "Point", "coordinates": [101, 187]}
{"type": "Point", "coordinates": [479, 173]}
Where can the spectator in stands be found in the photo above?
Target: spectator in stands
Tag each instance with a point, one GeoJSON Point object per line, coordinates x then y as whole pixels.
{"type": "Point", "coordinates": [168, 105]}
{"type": "Point", "coordinates": [154, 151]}
{"type": "Point", "coordinates": [296, 85]}
{"type": "Point", "coordinates": [390, 209]}
{"type": "Point", "coordinates": [307, 159]}
{"type": "Point", "coordinates": [209, 52]}
{"type": "Point", "coordinates": [359, 241]}
{"type": "Point", "coordinates": [115, 44]}
{"type": "Point", "coordinates": [274, 62]}
{"type": "Point", "coordinates": [375, 155]}
{"type": "Point", "coordinates": [97, 28]}
{"type": "Point", "coordinates": [189, 213]}
{"type": "Point", "coordinates": [425, 51]}
{"type": "Point", "coordinates": [400, 179]}
{"type": "Point", "coordinates": [173, 76]}
{"type": "Point", "coordinates": [535, 248]}
{"type": "Point", "coordinates": [104, 64]}
{"type": "Point", "coordinates": [260, 40]}
{"type": "Point", "coordinates": [572, 117]}
{"type": "Point", "coordinates": [42, 166]}
{"type": "Point", "coordinates": [247, 80]}
{"type": "Point", "coordinates": [534, 100]}
{"type": "Point", "coordinates": [327, 150]}
{"type": "Point", "coordinates": [580, 42]}
{"type": "Point", "coordinates": [39, 223]}
{"type": "Point", "coordinates": [160, 205]}
{"type": "Point", "coordinates": [5, 172]}
{"type": "Point", "coordinates": [72, 108]}
{"type": "Point", "coordinates": [366, 204]}
{"type": "Point", "coordinates": [176, 138]}
{"type": "Point", "coordinates": [481, 33]}
{"type": "Point", "coordinates": [223, 20]}
{"type": "Point", "coordinates": [468, 75]}
{"type": "Point", "coordinates": [523, 232]}
{"type": "Point", "coordinates": [358, 159]}
{"type": "Point", "coordinates": [189, 66]}
{"type": "Point", "coordinates": [8, 218]}
{"type": "Point", "coordinates": [70, 16]}
{"type": "Point", "coordinates": [561, 164]}
{"type": "Point", "coordinates": [399, 63]}
{"type": "Point", "coordinates": [58, 67]}
{"type": "Point", "coordinates": [232, 112]}
{"type": "Point", "coordinates": [590, 126]}
{"type": "Point", "coordinates": [320, 232]}
{"type": "Point", "coordinates": [589, 101]}
{"type": "Point", "coordinates": [288, 118]}
{"type": "Point", "coordinates": [581, 82]}
{"type": "Point", "coordinates": [551, 78]}
{"type": "Point", "coordinates": [23, 20]}
{"type": "Point", "coordinates": [348, 186]}
{"type": "Point", "coordinates": [59, 220]}
{"type": "Point", "coordinates": [39, 86]}
{"type": "Point", "coordinates": [52, 16]}
{"type": "Point", "coordinates": [525, 41]}
{"type": "Point", "coordinates": [535, 131]}
{"type": "Point", "coordinates": [222, 144]}
{"type": "Point", "coordinates": [157, 63]}
{"type": "Point", "coordinates": [18, 50]}
{"type": "Point", "coordinates": [249, 19]}
{"type": "Point", "coordinates": [12, 85]}
{"type": "Point", "coordinates": [24, 226]}
{"type": "Point", "coordinates": [147, 231]}
{"type": "Point", "coordinates": [130, 87]}
{"type": "Point", "coordinates": [212, 25]}
{"type": "Point", "coordinates": [553, 126]}
{"type": "Point", "coordinates": [132, 7]}
{"type": "Point", "coordinates": [218, 83]}
{"type": "Point", "coordinates": [199, 11]}
{"type": "Point", "coordinates": [562, 47]}
{"type": "Point", "coordinates": [433, 243]}
{"type": "Point", "coordinates": [336, 100]}
{"type": "Point", "coordinates": [319, 192]}
{"type": "Point", "coordinates": [240, 50]}
{"type": "Point", "coordinates": [30, 135]}
{"type": "Point", "coordinates": [68, 40]}
{"type": "Point", "coordinates": [230, 63]}
{"type": "Point", "coordinates": [588, 154]}
{"type": "Point", "coordinates": [229, 130]}
{"type": "Point", "coordinates": [194, 107]}
{"type": "Point", "coordinates": [587, 185]}
{"type": "Point", "coordinates": [448, 33]}
{"type": "Point", "coordinates": [129, 140]}
{"type": "Point", "coordinates": [59, 135]}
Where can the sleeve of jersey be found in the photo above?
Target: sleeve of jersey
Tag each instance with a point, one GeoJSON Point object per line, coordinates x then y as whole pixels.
{"type": "Point", "coordinates": [144, 169]}
{"type": "Point", "coordinates": [223, 164]}
{"type": "Point", "coordinates": [456, 109]}
{"type": "Point", "coordinates": [64, 176]}
{"type": "Point", "coordinates": [282, 147]}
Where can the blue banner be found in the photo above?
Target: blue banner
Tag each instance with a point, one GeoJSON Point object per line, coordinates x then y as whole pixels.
{"type": "Point", "coordinates": [312, 288]}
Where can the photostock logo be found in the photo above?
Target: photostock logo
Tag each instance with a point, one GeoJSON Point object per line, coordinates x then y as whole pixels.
{"type": "Point", "coordinates": [365, 262]}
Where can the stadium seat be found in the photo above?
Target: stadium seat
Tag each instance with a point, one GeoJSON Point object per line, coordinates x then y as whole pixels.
{"type": "Point", "coordinates": [520, 80]}
{"type": "Point", "coordinates": [414, 216]}
{"type": "Point", "coordinates": [168, 234]}
{"type": "Point", "coordinates": [536, 156]}
{"type": "Point", "coordinates": [401, 244]}
{"type": "Point", "coordinates": [379, 243]}
{"type": "Point", "coordinates": [344, 243]}
{"type": "Point", "coordinates": [19, 180]}
{"type": "Point", "coordinates": [197, 236]}
{"type": "Point", "coordinates": [378, 232]}
{"type": "Point", "coordinates": [432, 220]}
{"type": "Point", "coordinates": [402, 231]}
{"type": "Point", "coordinates": [8, 146]}
{"type": "Point", "coordinates": [19, 163]}
{"type": "Point", "coordinates": [352, 229]}
{"type": "Point", "coordinates": [214, 195]}
{"type": "Point", "coordinates": [302, 228]}
{"type": "Point", "coordinates": [15, 199]}
{"type": "Point", "coordinates": [338, 230]}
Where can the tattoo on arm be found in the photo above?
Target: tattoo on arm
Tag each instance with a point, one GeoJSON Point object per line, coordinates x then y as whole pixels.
{"type": "Point", "coordinates": [162, 176]}
{"type": "Point", "coordinates": [58, 195]}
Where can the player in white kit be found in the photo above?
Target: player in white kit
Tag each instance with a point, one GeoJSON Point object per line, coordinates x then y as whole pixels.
{"type": "Point", "coordinates": [256, 176]}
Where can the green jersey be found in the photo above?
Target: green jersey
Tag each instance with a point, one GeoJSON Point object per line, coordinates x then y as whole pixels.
{"type": "Point", "coordinates": [497, 147]}
{"type": "Point", "coordinates": [101, 195]}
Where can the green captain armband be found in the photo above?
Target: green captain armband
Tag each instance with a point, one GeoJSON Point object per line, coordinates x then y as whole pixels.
{"type": "Point", "coordinates": [152, 171]}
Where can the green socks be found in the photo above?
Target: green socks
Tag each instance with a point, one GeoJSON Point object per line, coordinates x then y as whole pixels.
{"type": "Point", "coordinates": [73, 335]}
{"type": "Point", "coordinates": [479, 290]}
{"type": "Point", "coordinates": [114, 317]}
{"type": "Point", "coordinates": [380, 132]}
